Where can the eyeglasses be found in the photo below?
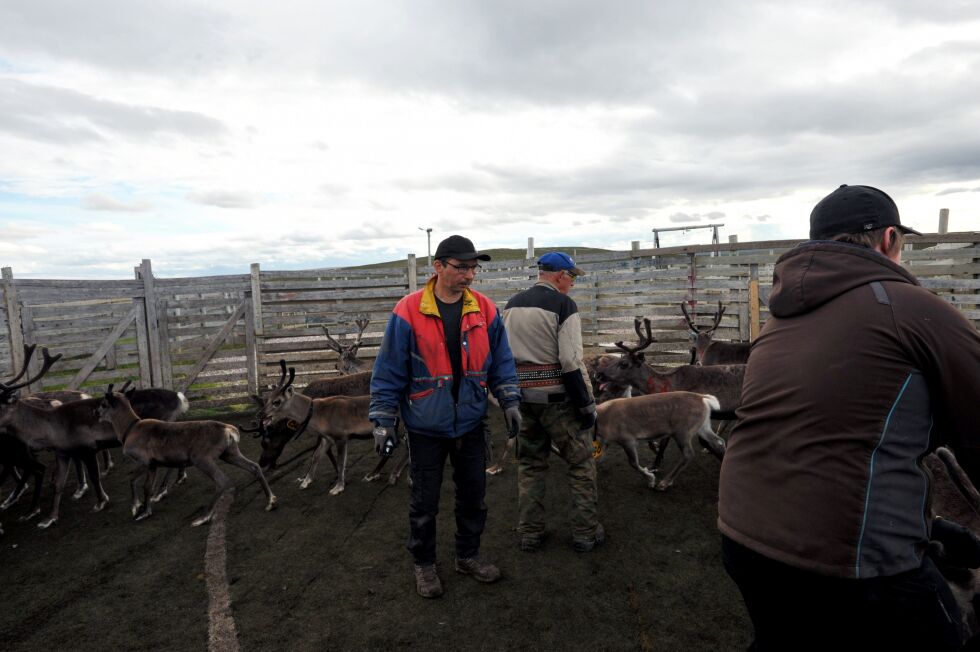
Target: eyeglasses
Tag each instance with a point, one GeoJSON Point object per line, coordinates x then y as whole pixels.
{"type": "Point", "coordinates": [571, 275]}
{"type": "Point", "coordinates": [463, 268]}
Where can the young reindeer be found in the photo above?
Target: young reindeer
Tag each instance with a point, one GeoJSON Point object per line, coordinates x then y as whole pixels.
{"type": "Point", "coordinates": [154, 444]}
{"type": "Point", "coordinates": [680, 416]}
{"type": "Point", "coordinates": [708, 352]}
{"type": "Point", "coordinates": [334, 420]}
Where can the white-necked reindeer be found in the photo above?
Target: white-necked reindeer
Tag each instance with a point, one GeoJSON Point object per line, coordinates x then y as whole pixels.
{"type": "Point", "coordinates": [153, 444]}
{"type": "Point", "coordinates": [708, 351]}
{"type": "Point", "coordinates": [680, 416]}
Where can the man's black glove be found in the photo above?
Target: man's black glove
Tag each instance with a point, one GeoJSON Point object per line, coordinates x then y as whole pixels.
{"type": "Point", "coordinates": [512, 417]}
{"type": "Point", "coordinates": [385, 440]}
{"type": "Point", "coordinates": [587, 416]}
{"type": "Point", "coordinates": [961, 548]}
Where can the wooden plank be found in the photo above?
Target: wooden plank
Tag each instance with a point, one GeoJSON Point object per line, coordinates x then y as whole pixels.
{"type": "Point", "coordinates": [219, 338]}
{"type": "Point", "coordinates": [14, 333]}
{"type": "Point", "coordinates": [142, 343]}
{"type": "Point", "coordinates": [251, 349]}
{"type": "Point", "coordinates": [93, 362]}
{"type": "Point", "coordinates": [754, 316]}
{"type": "Point", "coordinates": [152, 323]}
{"type": "Point", "coordinates": [256, 309]}
{"type": "Point", "coordinates": [413, 274]}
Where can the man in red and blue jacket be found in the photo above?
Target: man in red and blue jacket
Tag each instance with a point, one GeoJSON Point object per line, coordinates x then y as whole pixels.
{"type": "Point", "coordinates": [444, 347]}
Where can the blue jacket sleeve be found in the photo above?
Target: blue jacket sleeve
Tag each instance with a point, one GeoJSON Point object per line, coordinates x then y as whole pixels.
{"type": "Point", "coordinates": [502, 374]}
{"type": "Point", "coordinates": [392, 370]}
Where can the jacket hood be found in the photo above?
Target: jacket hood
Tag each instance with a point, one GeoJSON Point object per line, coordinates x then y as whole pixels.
{"type": "Point", "coordinates": [816, 272]}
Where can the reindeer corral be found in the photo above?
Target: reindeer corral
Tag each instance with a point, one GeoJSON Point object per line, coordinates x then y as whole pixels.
{"type": "Point", "coordinates": [331, 572]}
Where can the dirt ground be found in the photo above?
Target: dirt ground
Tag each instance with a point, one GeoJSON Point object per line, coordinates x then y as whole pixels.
{"type": "Point", "coordinates": [331, 572]}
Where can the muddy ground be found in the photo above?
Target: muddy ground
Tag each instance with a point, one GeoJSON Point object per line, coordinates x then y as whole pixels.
{"type": "Point", "coordinates": [331, 572]}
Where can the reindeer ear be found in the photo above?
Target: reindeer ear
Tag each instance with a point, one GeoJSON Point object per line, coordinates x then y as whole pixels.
{"type": "Point", "coordinates": [289, 391]}
{"type": "Point", "coordinates": [640, 356]}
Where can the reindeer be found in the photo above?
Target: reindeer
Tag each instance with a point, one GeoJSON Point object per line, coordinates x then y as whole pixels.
{"type": "Point", "coordinates": [333, 419]}
{"type": "Point", "coordinates": [347, 362]}
{"type": "Point", "coordinates": [707, 352]}
{"type": "Point", "coordinates": [70, 430]}
{"type": "Point", "coordinates": [153, 443]}
{"type": "Point", "coordinates": [680, 416]}
{"type": "Point", "coordinates": [276, 437]}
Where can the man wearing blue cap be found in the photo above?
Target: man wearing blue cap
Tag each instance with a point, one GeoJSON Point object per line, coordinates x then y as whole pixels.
{"type": "Point", "coordinates": [557, 407]}
{"type": "Point", "coordinates": [823, 499]}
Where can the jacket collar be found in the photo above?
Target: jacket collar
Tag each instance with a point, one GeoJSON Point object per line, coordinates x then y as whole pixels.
{"type": "Point", "coordinates": [428, 306]}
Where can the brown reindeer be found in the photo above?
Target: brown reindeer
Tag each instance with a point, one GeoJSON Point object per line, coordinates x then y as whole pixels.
{"type": "Point", "coordinates": [153, 444]}
{"type": "Point", "coordinates": [347, 362]}
{"type": "Point", "coordinates": [680, 416]}
{"type": "Point", "coordinates": [710, 352]}
{"type": "Point", "coordinates": [276, 436]}
{"type": "Point", "coordinates": [334, 420]}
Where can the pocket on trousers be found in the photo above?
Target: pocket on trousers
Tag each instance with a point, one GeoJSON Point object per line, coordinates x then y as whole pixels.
{"type": "Point", "coordinates": [577, 446]}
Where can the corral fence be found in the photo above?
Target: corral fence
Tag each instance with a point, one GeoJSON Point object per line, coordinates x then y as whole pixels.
{"type": "Point", "coordinates": [220, 338]}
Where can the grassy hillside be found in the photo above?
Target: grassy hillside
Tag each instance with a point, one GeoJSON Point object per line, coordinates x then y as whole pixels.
{"type": "Point", "coordinates": [502, 254]}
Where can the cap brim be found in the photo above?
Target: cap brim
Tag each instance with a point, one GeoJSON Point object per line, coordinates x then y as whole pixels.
{"type": "Point", "coordinates": [577, 271]}
{"type": "Point", "coordinates": [905, 229]}
{"type": "Point", "coordinates": [473, 255]}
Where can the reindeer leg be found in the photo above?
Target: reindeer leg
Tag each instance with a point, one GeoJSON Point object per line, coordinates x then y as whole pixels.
{"type": "Point", "coordinates": [164, 487]}
{"type": "Point", "coordinates": [714, 443]}
{"type": "Point", "coordinates": [508, 451]}
{"type": "Point", "coordinates": [210, 469]}
{"type": "Point", "coordinates": [60, 477]}
{"type": "Point", "coordinates": [376, 471]}
{"type": "Point", "coordinates": [106, 462]}
{"type": "Point", "coordinates": [37, 469]}
{"type": "Point", "coordinates": [321, 448]}
{"type": "Point", "coordinates": [341, 467]}
{"type": "Point", "coordinates": [403, 461]}
{"type": "Point", "coordinates": [80, 476]}
{"type": "Point", "coordinates": [92, 464]}
{"type": "Point", "coordinates": [134, 482]}
{"type": "Point", "coordinates": [233, 455]}
{"type": "Point", "coordinates": [19, 488]}
{"type": "Point", "coordinates": [687, 454]}
{"type": "Point", "coordinates": [147, 509]}
{"type": "Point", "coordinates": [634, 459]}
{"type": "Point", "coordinates": [181, 474]}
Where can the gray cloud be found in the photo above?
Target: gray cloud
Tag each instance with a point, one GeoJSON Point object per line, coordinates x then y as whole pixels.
{"type": "Point", "coordinates": [224, 199]}
{"type": "Point", "coordinates": [65, 116]}
{"type": "Point", "coordinates": [100, 202]}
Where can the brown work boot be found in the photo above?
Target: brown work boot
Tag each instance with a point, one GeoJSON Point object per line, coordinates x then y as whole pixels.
{"type": "Point", "coordinates": [481, 571]}
{"type": "Point", "coordinates": [427, 581]}
{"type": "Point", "coordinates": [587, 544]}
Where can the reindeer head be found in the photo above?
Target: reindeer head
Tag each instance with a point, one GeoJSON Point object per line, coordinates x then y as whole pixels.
{"type": "Point", "coordinates": [276, 400]}
{"type": "Point", "coordinates": [8, 389]}
{"type": "Point", "coordinates": [701, 335]}
{"type": "Point", "coordinates": [620, 371]}
{"type": "Point", "coordinates": [347, 362]}
{"type": "Point", "coordinates": [112, 402]}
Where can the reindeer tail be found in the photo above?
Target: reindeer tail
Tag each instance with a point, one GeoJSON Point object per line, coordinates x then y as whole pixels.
{"type": "Point", "coordinates": [184, 405]}
{"type": "Point", "coordinates": [711, 402]}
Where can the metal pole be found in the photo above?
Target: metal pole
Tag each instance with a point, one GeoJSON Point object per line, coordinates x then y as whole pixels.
{"type": "Point", "coordinates": [428, 242]}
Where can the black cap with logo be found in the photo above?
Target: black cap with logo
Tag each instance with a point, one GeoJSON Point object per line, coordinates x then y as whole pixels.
{"type": "Point", "coordinates": [854, 209]}
{"type": "Point", "coordinates": [460, 248]}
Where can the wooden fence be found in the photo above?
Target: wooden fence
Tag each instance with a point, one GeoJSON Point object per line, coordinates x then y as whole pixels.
{"type": "Point", "coordinates": [220, 338]}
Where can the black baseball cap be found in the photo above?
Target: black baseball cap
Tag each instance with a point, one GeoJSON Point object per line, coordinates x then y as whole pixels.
{"type": "Point", "coordinates": [460, 248]}
{"type": "Point", "coordinates": [854, 209]}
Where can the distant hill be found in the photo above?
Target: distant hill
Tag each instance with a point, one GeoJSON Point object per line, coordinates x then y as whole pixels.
{"type": "Point", "coordinates": [501, 254]}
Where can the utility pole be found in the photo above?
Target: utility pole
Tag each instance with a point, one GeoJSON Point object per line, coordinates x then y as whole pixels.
{"type": "Point", "coordinates": [428, 242]}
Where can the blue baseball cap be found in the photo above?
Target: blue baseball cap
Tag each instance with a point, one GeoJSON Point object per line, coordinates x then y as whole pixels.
{"type": "Point", "coordinates": [557, 261]}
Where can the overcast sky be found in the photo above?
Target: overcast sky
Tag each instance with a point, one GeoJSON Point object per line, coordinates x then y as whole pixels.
{"type": "Point", "coordinates": [210, 135]}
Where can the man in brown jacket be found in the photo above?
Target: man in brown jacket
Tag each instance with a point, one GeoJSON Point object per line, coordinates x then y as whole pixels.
{"type": "Point", "coordinates": [823, 503]}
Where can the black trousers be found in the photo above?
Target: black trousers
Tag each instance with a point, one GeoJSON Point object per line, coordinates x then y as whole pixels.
{"type": "Point", "coordinates": [793, 609]}
{"type": "Point", "coordinates": [468, 457]}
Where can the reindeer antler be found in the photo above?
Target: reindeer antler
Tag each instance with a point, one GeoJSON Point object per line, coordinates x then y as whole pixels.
{"type": "Point", "coordinates": [49, 360]}
{"type": "Point", "coordinates": [28, 354]}
{"type": "Point", "coordinates": [334, 344]}
{"type": "Point", "coordinates": [690, 322]}
{"type": "Point", "coordinates": [721, 311]}
{"type": "Point", "coordinates": [645, 340]}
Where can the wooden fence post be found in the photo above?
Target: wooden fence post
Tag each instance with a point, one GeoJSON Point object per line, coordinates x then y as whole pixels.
{"type": "Point", "coordinates": [142, 342]}
{"type": "Point", "coordinates": [754, 325]}
{"type": "Point", "coordinates": [14, 324]}
{"type": "Point", "coordinates": [257, 301]}
{"type": "Point", "coordinates": [530, 248]}
{"type": "Point", "coordinates": [27, 323]}
{"type": "Point", "coordinates": [943, 221]}
{"type": "Point", "coordinates": [413, 278]}
{"type": "Point", "coordinates": [251, 344]}
{"type": "Point", "coordinates": [157, 335]}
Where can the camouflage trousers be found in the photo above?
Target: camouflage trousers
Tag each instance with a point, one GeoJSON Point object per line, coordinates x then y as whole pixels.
{"type": "Point", "coordinates": [555, 424]}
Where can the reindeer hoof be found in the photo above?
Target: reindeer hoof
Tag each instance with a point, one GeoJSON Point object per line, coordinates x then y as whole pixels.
{"type": "Point", "coordinates": [158, 497]}
{"type": "Point", "coordinates": [392, 480]}
{"type": "Point", "coordinates": [200, 521]}
{"type": "Point", "coordinates": [661, 486]}
{"type": "Point", "coordinates": [99, 506]}
{"type": "Point", "coordinates": [135, 509]}
{"type": "Point", "coordinates": [371, 477]}
{"type": "Point", "coordinates": [28, 517]}
{"type": "Point", "coordinates": [304, 483]}
{"type": "Point", "coordinates": [495, 469]}
{"type": "Point", "coordinates": [46, 523]}
{"type": "Point", "coordinates": [273, 503]}
{"type": "Point", "coordinates": [336, 489]}
{"type": "Point", "coordinates": [145, 513]}
{"type": "Point", "coordinates": [181, 477]}
{"type": "Point", "coordinates": [81, 491]}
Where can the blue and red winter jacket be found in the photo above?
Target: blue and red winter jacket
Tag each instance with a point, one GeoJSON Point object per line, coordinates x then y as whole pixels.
{"type": "Point", "coordinates": [413, 375]}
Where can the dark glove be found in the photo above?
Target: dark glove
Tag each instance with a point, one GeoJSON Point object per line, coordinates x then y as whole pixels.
{"type": "Point", "coordinates": [961, 548]}
{"type": "Point", "coordinates": [587, 416]}
{"type": "Point", "coordinates": [512, 417]}
{"type": "Point", "coordinates": [385, 440]}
